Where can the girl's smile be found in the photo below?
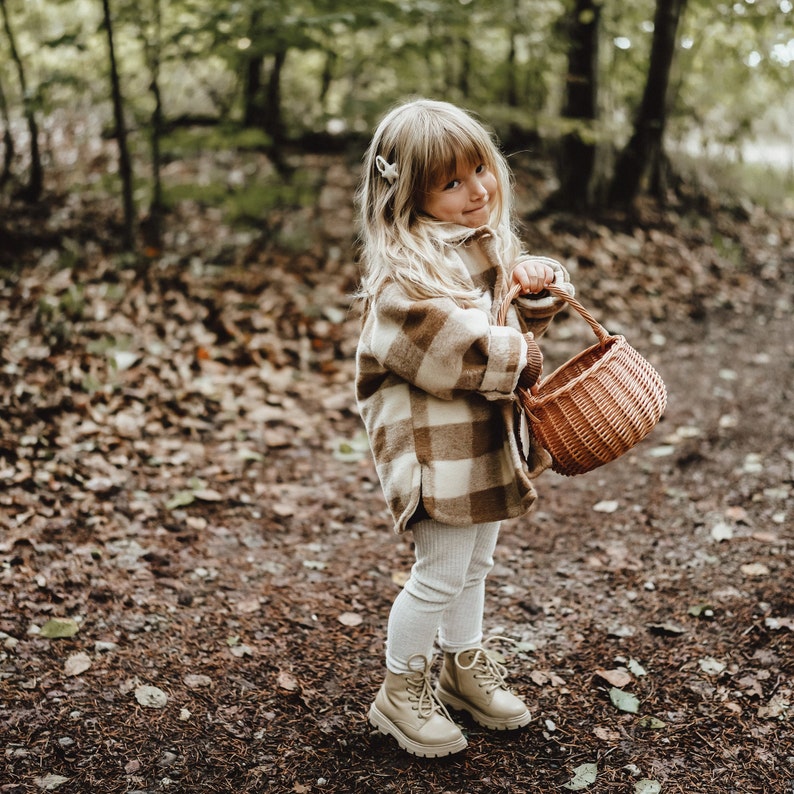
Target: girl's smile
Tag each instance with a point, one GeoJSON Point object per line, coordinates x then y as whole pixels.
{"type": "Point", "coordinates": [464, 200]}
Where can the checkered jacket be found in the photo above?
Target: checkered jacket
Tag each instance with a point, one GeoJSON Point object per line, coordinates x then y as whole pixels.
{"type": "Point", "coordinates": [435, 387]}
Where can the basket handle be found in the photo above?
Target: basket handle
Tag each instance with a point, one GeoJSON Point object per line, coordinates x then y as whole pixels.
{"type": "Point", "coordinates": [598, 329]}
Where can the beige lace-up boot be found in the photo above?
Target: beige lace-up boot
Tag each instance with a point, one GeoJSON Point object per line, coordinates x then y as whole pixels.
{"type": "Point", "coordinates": [407, 709]}
{"type": "Point", "coordinates": [473, 681]}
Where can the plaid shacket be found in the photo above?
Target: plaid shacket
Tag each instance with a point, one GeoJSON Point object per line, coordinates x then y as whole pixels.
{"type": "Point", "coordinates": [435, 383]}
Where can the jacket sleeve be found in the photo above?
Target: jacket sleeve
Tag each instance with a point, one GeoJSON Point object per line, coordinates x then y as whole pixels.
{"type": "Point", "coordinates": [538, 311]}
{"type": "Point", "coordinates": [442, 348]}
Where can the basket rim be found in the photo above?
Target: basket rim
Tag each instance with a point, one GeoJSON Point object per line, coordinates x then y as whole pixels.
{"type": "Point", "coordinates": [612, 346]}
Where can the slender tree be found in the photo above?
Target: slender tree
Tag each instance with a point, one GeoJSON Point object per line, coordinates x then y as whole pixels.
{"type": "Point", "coordinates": [36, 177]}
{"type": "Point", "coordinates": [152, 39]}
{"type": "Point", "coordinates": [8, 139]}
{"type": "Point", "coordinates": [577, 156]}
{"type": "Point", "coordinates": [125, 165]}
{"type": "Point", "coordinates": [642, 160]}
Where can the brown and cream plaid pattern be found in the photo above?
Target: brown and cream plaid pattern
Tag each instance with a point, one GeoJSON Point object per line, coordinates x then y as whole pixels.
{"type": "Point", "coordinates": [435, 388]}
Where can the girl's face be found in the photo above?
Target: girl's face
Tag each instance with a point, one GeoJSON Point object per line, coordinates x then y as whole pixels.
{"type": "Point", "coordinates": [466, 199]}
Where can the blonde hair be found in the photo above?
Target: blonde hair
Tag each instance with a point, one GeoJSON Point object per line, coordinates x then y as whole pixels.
{"type": "Point", "coordinates": [425, 141]}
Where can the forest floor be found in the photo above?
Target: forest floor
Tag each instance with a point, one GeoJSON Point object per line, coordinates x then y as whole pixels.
{"type": "Point", "coordinates": [197, 563]}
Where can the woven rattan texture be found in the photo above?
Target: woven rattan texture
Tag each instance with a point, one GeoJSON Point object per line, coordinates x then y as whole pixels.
{"type": "Point", "coordinates": [597, 406]}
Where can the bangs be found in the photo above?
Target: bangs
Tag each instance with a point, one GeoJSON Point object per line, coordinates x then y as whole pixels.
{"type": "Point", "coordinates": [450, 151]}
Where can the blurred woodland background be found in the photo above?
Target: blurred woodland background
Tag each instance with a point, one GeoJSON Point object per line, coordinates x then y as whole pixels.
{"type": "Point", "coordinates": [106, 98]}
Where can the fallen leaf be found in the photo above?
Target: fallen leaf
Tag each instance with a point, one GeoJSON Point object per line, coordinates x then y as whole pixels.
{"type": "Point", "coordinates": [288, 681]}
{"type": "Point", "coordinates": [180, 499]}
{"type": "Point", "coordinates": [711, 666]}
{"type": "Point", "coordinates": [606, 734]}
{"type": "Point", "coordinates": [57, 628]}
{"type": "Point", "coordinates": [351, 450]}
{"type": "Point", "coordinates": [151, 697]}
{"type": "Point", "coordinates": [701, 611]}
{"type": "Point", "coordinates": [753, 464]}
{"type": "Point", "coordinates": [646, 786]}
{"type": "Point", "coordinates": [668, 629]}
{"type": "Point", "coordinates": [779, 623]}
{"type": "Point", "coordinates": [350, 619]}
{"type": "Point", "coordinates": [651, 723]}
{"type": "Point", "coordinates": [635, 668]}
{"type": "Point", "coordinates": [123, 359]}
{"type": "Point", "coordinates": [624, 701]}
{"type": "Point", "coordinates": [197, 681]}
{"type": "Point", "coordinates": [777, 708]}
{"type": "Point", "coordinates": [755, 570]}
{"type": "Point", "coordinates": [77, 663]}
{"type": "Point", "coordinates": [583, 776]}
{"type": "Point", "coordinates": [283, 509]}
{"type": "Point", "coordinates": [662, 451]}
{"type": "Point", "coordinates": [51, 782]}
{"type": "Point", "coordinates": [542, 678]}
{"type": "Point", "coordinates": [248, 606]}
{"type": "Point", "coordinates": [208, 495]}
{"type": "Point", "coordinates": [722, 531]}
{"type": "Point", "coordinates": [618, 678]}
{"type": "Point", "coordinates": [249, 454]}
{"type": "Point", "coordinates": [621, 631]}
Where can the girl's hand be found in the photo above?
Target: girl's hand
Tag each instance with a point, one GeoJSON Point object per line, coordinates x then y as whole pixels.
{"type": "Point", "coordinates": [532, 274]}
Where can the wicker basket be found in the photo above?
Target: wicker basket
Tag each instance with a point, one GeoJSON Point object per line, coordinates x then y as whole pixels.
{"type": "Point", "coordinates": [596, 406]}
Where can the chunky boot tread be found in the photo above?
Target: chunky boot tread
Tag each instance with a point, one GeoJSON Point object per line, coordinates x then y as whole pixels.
{"type": "Point", "coordinates": [385, 726]}
{"type": "Point", "coordinates": [485, 720]}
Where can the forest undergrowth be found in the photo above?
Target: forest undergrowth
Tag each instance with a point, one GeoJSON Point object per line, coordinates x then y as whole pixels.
{"type": "Point", "coordinates": [197, 563]}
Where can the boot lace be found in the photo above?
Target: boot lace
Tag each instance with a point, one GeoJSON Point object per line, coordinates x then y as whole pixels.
{"type": "Point", "coordinates": [420, 689]}
{"type": "Point", "coordinates": [486, 669]}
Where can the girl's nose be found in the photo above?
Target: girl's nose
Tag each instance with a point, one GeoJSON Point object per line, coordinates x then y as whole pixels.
{"type": "Point", "coordinates": [478, 188]}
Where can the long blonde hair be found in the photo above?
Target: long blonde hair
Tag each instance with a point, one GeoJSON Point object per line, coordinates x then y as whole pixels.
{"type": "Point", "coordinates": [425, 141]}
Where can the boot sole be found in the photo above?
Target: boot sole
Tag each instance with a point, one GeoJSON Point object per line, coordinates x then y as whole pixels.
{"type": "Point", "coordinates": [482, 719]}
{"type": "Point", "coordinates": [380, 721]}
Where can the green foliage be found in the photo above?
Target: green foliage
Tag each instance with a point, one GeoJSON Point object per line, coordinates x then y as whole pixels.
{"type": "Point", "coordinates": [347, 61]}
{"type": "Point", "coordinates": [184, 142]}
{"type": "Point", "coordinates": [771, 187]}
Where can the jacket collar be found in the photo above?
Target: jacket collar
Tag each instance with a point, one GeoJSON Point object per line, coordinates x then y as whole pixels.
{"type": "Point", "coordinates": [454, 234]}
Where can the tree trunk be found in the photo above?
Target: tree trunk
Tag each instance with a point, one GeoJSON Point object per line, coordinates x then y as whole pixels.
{"type": "Point", "coordinates": [328, 75]}
{"type": "Point", "coordinates": [253, 113]}
{"type": "Point", "coordinates": [576, 162]}
{"type": "Point", "coordinates": [152, 228]}
{"type": "Point", "coordinates": [125, 166]}
{"type": "Point", "coordinates": [464, 76]}
{"type": "Point", "coordinates": [8, 140]}
{"type": "Point", "coordinates": [273, 120]}
{"type": "Point", "coordinates": [36, 178]}
{"type": "Point", "coordinates": [644, 153]}
{"type": "Point", "coordinates": [516, 25]}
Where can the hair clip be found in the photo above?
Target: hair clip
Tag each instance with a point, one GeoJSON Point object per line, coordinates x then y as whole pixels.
{"type": "Point", "coordinates": [387, 170]}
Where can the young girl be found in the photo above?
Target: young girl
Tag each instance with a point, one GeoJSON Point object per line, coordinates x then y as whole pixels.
{"type": "Point", "coordinates": [435, 385]}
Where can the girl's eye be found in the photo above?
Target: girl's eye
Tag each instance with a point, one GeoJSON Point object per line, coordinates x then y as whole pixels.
{"type": "Point", "coordinates": [480, 168]}
{"type": "Point", "coordinates": [450, 185]}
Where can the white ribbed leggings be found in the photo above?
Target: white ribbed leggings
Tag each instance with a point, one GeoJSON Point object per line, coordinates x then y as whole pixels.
{"type": "Point", "coordinates": [445, 593]}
